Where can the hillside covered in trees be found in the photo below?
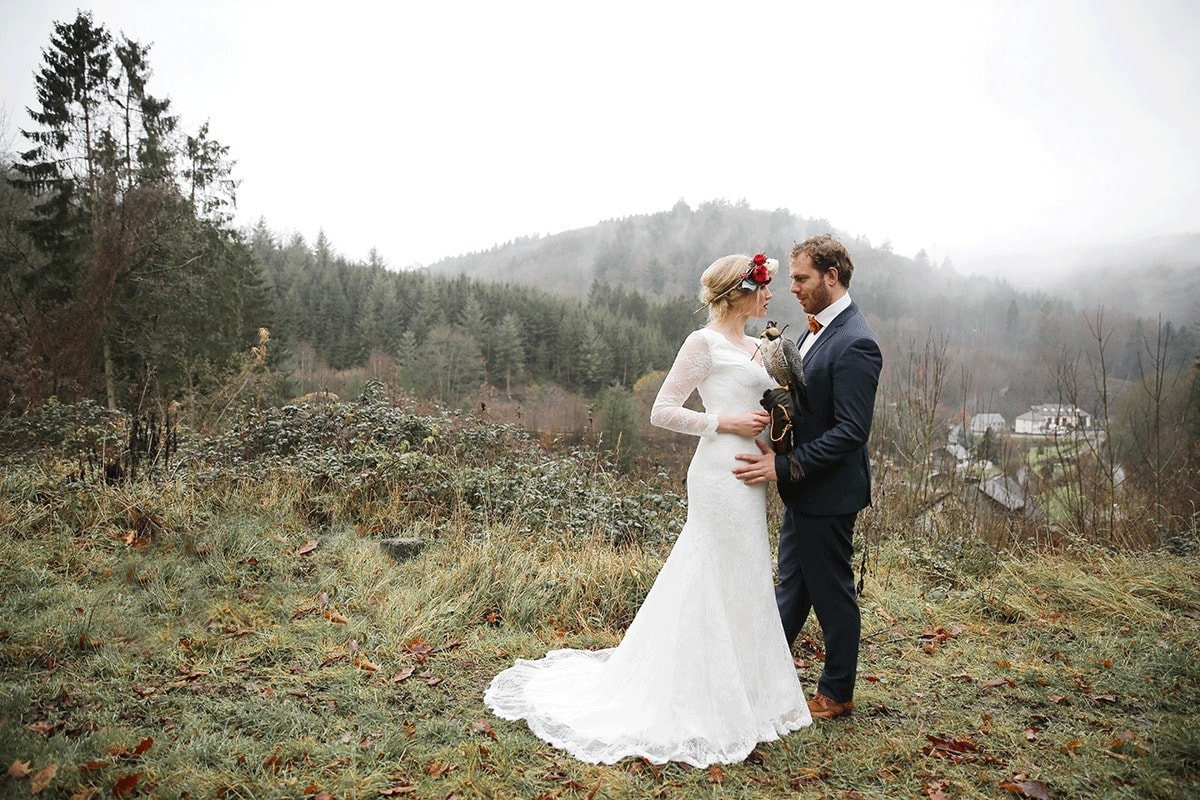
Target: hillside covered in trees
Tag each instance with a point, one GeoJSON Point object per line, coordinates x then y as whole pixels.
{"type": "Point", "coordinates": [1011, 338]}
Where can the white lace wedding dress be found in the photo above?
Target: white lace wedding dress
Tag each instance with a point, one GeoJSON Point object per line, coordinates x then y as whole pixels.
{"type": "Point", "coordinates": [703, 673]}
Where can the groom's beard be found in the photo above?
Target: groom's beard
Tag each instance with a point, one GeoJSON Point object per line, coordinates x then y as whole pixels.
{"type": "Point", "coordinates": [819, 299]}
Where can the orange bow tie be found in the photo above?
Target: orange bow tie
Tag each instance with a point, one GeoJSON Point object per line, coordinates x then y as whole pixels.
{"type": "Point", "coordinates": [813, 325]}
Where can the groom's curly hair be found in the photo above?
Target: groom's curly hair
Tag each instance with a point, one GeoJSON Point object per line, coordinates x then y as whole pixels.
{"type": "Point", "coordinates": [827, 253]}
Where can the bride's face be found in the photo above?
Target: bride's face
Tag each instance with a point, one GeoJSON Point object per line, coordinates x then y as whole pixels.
{"type": "Point", "coordinates": [752, 305]}
{"type": "Point", "coordinates": [758, 302]}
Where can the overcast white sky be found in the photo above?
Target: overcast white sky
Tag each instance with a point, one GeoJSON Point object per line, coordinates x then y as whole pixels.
{"type": "Point", "coordinates": [974, 130]}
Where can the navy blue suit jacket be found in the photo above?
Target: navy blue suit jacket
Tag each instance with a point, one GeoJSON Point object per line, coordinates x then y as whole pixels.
{"type": "Point", "coordinates": [841, 373]}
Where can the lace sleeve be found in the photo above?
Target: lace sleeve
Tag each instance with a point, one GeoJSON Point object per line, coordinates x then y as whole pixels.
{"type": "Point", "coordinates": [692, 365]}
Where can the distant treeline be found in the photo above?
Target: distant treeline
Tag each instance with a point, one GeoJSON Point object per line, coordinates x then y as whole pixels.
{"type": "Point", "coordinates": [448, 335]}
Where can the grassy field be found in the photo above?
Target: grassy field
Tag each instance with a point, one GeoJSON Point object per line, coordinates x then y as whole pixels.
{"type": "Point", "coordinates": [238, 632]}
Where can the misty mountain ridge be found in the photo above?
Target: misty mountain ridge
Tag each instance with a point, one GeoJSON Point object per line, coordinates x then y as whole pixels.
{"type": "Point", "coordinates": [1147, 277]}
{"type": "Point", "coordinates": [662, 255]}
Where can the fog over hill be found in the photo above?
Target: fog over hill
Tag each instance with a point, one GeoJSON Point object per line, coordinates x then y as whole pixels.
{"type": "Point", "coordinates": [662, 255]}
{"type": "Point", "coordinates": [1146, 277]}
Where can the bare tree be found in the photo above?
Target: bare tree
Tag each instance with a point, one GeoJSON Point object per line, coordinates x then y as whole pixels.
{"type": "Point", "coordinates": [913, 414]}
{"type": "Point", "coordinates": [1155, 421]}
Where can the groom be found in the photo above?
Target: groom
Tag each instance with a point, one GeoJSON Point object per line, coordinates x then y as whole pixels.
{"type": "Point", "coordinates": [841, 370]}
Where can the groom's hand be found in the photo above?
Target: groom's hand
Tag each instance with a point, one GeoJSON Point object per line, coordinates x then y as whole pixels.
{"type": "Point", "coordinates": [756, 468]}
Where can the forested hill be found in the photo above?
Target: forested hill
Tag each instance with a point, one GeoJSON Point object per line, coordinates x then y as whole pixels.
{"type": "Point", "coordinates": [1006, 340]}
{"type": "Point", "coordinates": [662, 255]}
{"type": "Point", "coordinates": [659, 255]}
{"type": "Point", "coordinates": [605, 305]}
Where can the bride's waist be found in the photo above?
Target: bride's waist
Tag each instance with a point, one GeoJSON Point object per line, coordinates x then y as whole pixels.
{"type": "Point", "coordinates": [731, 442]}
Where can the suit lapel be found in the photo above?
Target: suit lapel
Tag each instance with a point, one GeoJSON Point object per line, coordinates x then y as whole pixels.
{"type": "Point", "coordinates": [830, 331]}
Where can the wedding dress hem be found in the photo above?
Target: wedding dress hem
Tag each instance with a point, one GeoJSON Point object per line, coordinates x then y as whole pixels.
{"type": "Point", "coordinates": [505, 699]}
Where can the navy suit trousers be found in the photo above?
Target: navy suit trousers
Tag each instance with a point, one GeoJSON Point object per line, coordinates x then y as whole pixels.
{"type": "Point", "coordinates": [816, 572]}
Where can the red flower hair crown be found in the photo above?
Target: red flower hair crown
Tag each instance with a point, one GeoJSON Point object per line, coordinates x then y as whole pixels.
{"type": "Point", "coordinates": [759, 273]}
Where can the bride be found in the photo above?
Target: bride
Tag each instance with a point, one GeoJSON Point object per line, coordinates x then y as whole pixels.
{"type": "Point", "coordinates": [703, 673]}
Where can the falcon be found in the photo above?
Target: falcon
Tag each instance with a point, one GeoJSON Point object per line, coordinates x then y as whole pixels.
{"type": "Point", "coordinates": [787, 401]}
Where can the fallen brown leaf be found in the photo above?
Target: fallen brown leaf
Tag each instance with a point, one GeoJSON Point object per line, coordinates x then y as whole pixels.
{"type": "Point", "coordinates": [1126, 742]}
{"type": "Point", "coordinates": [308, 547]}
{"type": "Point", "coordinates": [716, 774]}
{"type": "Point", "coordinates": [130, 753]}
{"type": "Point", "coordinates": [482, 726]}
{"type": "Point", "coordinates": [42, 779]}
{"type": "Point", "coordinates": [398, 789]}
{"type": "Point", "coordinates": [955, 749]}
{"type": "Point", "coordinates": [438, 769]}
{"type": "Point", "coordinates": [418, 648]}
{"type": "Point", "coordinates": [125, 785]}
{"type": "Point", "coordinates": [18, 770]}
{"type": "Point", "coordinates": [937, 634]}
{"type": "Point", "coordinates": [936, 790]}
{"type": "Point", "coordinates": [574, 785]}
{"type": "Point", "coordinates": [1036, 790]}
{"type": "Point", "coordinates": [365, 664]}
{"type": "Point", "coordinates": [403, 675]}
{"type": "Point", "coordinates": [333, 616]}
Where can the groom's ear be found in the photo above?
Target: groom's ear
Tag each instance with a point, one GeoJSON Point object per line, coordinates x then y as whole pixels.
{"type": "Point", "coordinates": [832, 272]}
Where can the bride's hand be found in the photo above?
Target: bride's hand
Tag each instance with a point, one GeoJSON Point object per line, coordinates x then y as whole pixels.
{"type": "Point", "coordinates": [749, 424]}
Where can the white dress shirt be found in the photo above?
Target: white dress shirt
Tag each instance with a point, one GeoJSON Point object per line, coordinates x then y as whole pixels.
{"type": "Point", "coordinates": [826, 316]}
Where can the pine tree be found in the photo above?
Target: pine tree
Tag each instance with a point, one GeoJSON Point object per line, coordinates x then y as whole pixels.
{"type": "Point", "coordinates": [135, 279]}
{"type": "Point", "coordinates": [619, 431]}
{"type": "Point", "coordinates": [508, 350]}
{"type": "Point", "coordinates": [60, 171]}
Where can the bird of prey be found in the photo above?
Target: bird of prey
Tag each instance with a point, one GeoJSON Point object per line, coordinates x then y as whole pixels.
{"type": "Point", "coordinates": [787, 402]}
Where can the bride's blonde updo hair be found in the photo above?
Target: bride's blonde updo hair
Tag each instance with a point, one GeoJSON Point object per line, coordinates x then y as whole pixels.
{"type": "Point", "coordinates": [719, 285]}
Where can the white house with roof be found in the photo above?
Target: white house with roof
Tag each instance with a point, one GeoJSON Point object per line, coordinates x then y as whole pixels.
{"type": "Point", "coordinates": [951, 459]}
{"type": "Point", "coordinates": [982, 423]}
{"type": "Point", "coordinates": [1050, 418]}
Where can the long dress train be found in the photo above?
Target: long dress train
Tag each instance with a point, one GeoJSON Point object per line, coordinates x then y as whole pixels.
{"type": "Point", "coordinates": [703, 673]}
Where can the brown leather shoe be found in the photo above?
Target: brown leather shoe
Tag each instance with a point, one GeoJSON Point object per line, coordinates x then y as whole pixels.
{"type": "Point", "coordinates": [828, 708]}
